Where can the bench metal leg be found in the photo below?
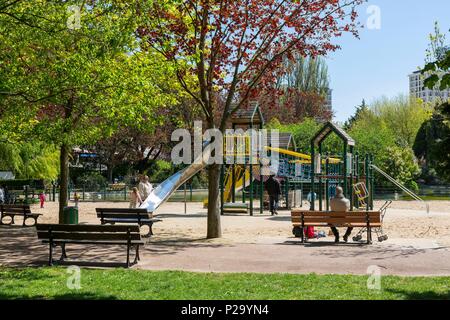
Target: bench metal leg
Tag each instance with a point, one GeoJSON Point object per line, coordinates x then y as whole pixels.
{"type": "Point", "coordinates": [303, 228]}
{"type": "Point", "coordinates": [63, 252]}
{"type": "Point", "coordinates": [150, 231]}
{"type": "Point", "coordinates": [128, 255]}
{"type": "Point", "coordinates": [150, 226]}
{"type": "Point", "coordinates": [369, 235]}
{"type": "Point", "coordinates": [50, 254]}
{"type": "Point", "coordinates": [137, 256]}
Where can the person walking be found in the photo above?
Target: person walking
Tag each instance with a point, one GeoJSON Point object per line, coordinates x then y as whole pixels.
{"type": "Point", "coordinates": [135, 198]}
{"type": "Point", "coordinates": [273, 187]}
{"type": "Point", "coordinates": [340, 204]}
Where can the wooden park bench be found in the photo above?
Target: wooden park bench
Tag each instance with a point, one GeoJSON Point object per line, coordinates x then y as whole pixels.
{"type": "Point", "coordinates": [355, 219]}
{"type": "Point", "coordinates": [125, 215]}
{"type": "Point", "coordinates": [62, 234]}
{"type": "Point", "coordinates": [14, 210]}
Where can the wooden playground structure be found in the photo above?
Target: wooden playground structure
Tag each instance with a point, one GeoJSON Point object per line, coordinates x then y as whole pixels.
{"type": "Point", "coordinates": [242, 182]}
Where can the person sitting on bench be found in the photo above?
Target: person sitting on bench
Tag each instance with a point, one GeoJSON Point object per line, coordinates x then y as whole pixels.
{"type": "Point", "coordinates": [341, 204]}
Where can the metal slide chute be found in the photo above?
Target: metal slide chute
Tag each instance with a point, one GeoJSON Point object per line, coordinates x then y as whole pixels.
{"type": "Point", "coordinates": [402, 187]}
{"type": "Point", "coordinates": [165, 189]}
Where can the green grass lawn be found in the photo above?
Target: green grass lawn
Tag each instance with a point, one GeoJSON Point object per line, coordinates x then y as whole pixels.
{"type": "Point", "coordinates": [51, 283]}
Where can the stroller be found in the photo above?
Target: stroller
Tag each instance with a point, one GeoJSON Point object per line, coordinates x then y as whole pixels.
{"type": "Point", "coordinates": [379, 231]}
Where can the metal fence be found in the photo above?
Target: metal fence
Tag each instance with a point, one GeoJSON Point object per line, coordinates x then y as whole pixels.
{"type": "Point", "coordinates": [186, 193]}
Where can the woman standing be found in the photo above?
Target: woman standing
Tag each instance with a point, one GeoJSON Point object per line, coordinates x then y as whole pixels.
{"type": "Point", "coordinates": [135, 198]}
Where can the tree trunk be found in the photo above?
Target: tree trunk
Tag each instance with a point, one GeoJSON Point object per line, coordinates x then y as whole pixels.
{"type": "Point", "coordinates": [214, 227]}
{"type": "Point", "coordinates": [64, 179]}
{"type": "Point", "coordinates": [110, 173]}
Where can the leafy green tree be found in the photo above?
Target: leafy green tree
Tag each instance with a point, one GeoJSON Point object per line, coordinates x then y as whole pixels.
{"type": "Point", "coordinates": [73, 85]}
{"type": "Point", "coordinates": [361, 109]}
{"type": "Point", "coordinates": [402, 165]}
{"type": "Point", "coordinates": [30, 160]}
{"type": "Point", "coordinates": [302, 132]}
{"type": "Point", "coordinates": [299, 93]}
{"type": "Point", "coordinates": [374, 135]}
{"type": "Point", "coordinates": [403, 116]}
{"type": "Point", "coordinates": [235, 48]}
{"type": "Point", "coordinates": [432, 144]}
{"type": "Point", "coordinates": [437, 68]}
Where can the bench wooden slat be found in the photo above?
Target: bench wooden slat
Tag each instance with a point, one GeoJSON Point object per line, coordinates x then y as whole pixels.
{"type": "Point", "coordinates": [122, 210]}
{"type": "Point", "coordinates": [134, 242]}
{"type": "Point", "coordinates": [326, 225]}
{"type": "Point", "coordinates": [87, 228]}
{"type": "Point", "coordinates": [61, 235]}
{"type": "Point", "coordinates": [20, 206]}
{"type": "Point", "coordinates": [127, 215]}
{"type": "Point", "coordinates": [332, 220]}
{"type": "Point", "coordinates": [331, 213]}
{"type": "Point", "coordinates": [123, 215]}
{"type": "Point", "coordinates": [131, 220]}
{"type": "Point", "coordinates": [16, 210]}
{"type": "Point", "coordinates": [235, 210]}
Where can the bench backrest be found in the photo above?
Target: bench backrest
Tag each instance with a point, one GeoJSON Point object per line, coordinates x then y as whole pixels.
{"type": "Point", "coordinates": [88, 232]}
{"type": "Point", "coordinates": [125, 213]}
{"type": "Point", "coordinates": [15, 208]}
{"type": "Point", "coordinates": [334, 217]}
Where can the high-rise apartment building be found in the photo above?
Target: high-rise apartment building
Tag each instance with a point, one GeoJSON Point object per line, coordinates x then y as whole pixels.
{"type": "Point", "coordinates": [418, 90]}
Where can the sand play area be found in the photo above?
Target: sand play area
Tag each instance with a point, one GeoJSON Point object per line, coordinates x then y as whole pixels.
{"type": "Point", "coordinates": [418, 243]}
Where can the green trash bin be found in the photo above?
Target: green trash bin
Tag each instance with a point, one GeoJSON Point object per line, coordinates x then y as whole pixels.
{"type": "Point", "coordinates": [70, 215]}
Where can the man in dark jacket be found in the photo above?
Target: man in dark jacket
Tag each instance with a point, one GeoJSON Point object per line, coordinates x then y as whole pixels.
{"type": "Point", "coordinates": [273, 187]}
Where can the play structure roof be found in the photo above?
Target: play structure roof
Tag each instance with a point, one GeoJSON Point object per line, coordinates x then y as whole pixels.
{"type": "Point", "coordinates": [249, 116]}
{"type": "Point", "coordinates": [285, 140]}
{"type": "Point", "coordinates": [329, 128]}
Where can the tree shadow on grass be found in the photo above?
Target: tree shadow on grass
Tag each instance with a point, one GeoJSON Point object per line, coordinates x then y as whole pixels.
{"type": "Point", "coordinates": [426, 295]}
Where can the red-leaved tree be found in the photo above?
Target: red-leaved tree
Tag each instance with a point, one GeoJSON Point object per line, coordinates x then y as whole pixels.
{"type": "Point", "coordinates": [234, 49]}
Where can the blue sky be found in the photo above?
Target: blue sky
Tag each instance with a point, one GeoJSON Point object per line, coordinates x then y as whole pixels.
{"type": "Point", "coordinates": [379, 63]}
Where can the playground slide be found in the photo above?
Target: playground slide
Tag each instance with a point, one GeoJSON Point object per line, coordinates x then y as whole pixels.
{"type": "Point", "coordinates": [402, 187]}
{"type": "Point", "coordinates": [163, 191]}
